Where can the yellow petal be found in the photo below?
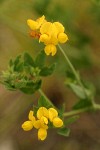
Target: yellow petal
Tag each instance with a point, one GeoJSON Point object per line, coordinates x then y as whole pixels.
{"type": "Point", "coordinates": [44, 126]}
{"type": "Point", "coordinates": [45, 28]}
{"type": "Point", "coordinates": [53, 39]}
{"type": "Point", "coordinates": [27, 125]}
{"type": "Point", "coordinates": [30, 116]}
{"type": "Point", "coordinates": [41, 20]}
{"type": "Point", "coordinates": [42, 134]}
{"type": "Point", "coordinates": [50, 49]}
{"type": "Point", "coordinates": [44, 120]}
{"type": "Point", "coordinates": [37, 124]}
{"type": "Point", "coordinates": [32, 24]}
{"type": "Point", "coordinates": [62, 37]}
{"type": "Point", "coordinates": [42, 111]}
{"type": "Point", "coordinates": [57, 122]}
{"type": "Point", "coordinates": [52, 114]}
{"type": "Point", "coordinates": [44, 38]}
{"type": "Point", "coordinates": [59, 27]}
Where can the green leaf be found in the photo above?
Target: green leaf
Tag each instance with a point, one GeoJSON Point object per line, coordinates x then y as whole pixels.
{"type": "Point", "coordinates": [47, 70]}
{"type": "Point", "coordinates": [82, 104]}
{"type": "Point", "coordinates": [20, 67]}
{"type": "Point", "coordinates": [64, 131]}
{"type": "Point", "coordinates": [16, 62]}
{"type": "Point", "coordinates": [28, 60]}
{"type": "Point", "coordinates": [31, 87]}
{"type": "Point", "coordinates": [11, 63]}
{"type": "Point", "coordinates": [70, 75]}
{"type": "Point", "coordinates": [90, 89]}
{"type": "Point", "coordinates": [77, 90]}
{"type": "Point", "coordinates": [42, 102]}
{"type": "Point", "coordinates": [40, 59]}
{"type": "Point", "coordinates": [61, 111]}
{"type": "Point", "coordinates": [71, 120]}
{"type": "Point", "coordinates": [35, 109]}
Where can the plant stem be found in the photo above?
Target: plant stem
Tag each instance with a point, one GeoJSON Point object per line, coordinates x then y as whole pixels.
{"type": "Point", "coordinates": [75, 112]}
{"type": "Point", "coordinates": [78, 111]}
{"type": "Point", "coordinates": [73, 70]}
{"type": "Point", "coordinates": [43, 94]}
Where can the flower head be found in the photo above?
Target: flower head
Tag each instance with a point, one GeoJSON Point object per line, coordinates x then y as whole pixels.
{"type": "Point", "coordinates": [35, 25]}
{"type": "Point", "coordinates": [28, 125]}
{"type": "Point", "coordinates": [49, 33]}
{"type": "Point", "coordinates": [41, 121]}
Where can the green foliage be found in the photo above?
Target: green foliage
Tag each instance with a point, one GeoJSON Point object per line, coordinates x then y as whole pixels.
{"type": "Point", "coordinates": [42, 102]}
{"type": "Point", "coordinates": [61, 111]}
{"type": "Point", "coordinates": [64, 131]}
{"type": "Point", "coordinates": [24, 73]}
{"type": "Point", "coordinates": [85, 92]}
{"type": "Point", "coordinates": [71, 120]}
{"type": "Point", "coordinates": [40, 59]}
{"type": "Point", "coordinates": [47, 70]}
{"type": "Point", "coordinates": [28, 60]}
{"type": "Point", "coordinates": [31, 87]}
{"type": "Point", "coordinates": [82, 104]}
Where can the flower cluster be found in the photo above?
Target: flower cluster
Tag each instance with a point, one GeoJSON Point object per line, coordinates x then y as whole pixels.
{"type": "Point", "coordinates": [41, 121]}
{"type": "Point", "coordinates": [49, 33]}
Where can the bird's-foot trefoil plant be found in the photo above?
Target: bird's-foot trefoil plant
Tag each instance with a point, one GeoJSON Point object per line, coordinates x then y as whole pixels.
{"type": "Point", "coordinates": [25, 74]}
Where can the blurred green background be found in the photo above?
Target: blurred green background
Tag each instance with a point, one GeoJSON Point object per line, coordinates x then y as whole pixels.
{"type": "Point", "coordinates": [82, 22]}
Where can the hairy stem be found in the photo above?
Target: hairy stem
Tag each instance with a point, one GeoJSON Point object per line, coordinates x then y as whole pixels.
{"type": "Point", "coordinates": [78, 111]}
{"type": "Point", "coordinates": [73, 69]}
{"type": "Point", "coordinates": [43, 94]}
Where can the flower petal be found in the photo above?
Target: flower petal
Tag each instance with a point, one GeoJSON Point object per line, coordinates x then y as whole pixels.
{"type": "Point", "coordinates": [52, 114]}
{"type": "Point", "coordinates": [59, 27]}
{"type": "Point", "coordinates": [45, 28]}
{"type": "Point", "coordinates": [30, 116]}
{"type": "Point", "coordinates": [42, 111]}
{"type": "Point", "coordinates": [57, 122]}
{"type": "Point", "coordinates": [27, 125]}
{"type": "Point", "coordinates": [62, 37]}
{"type": "Point", "coordinates": [50, 48]}
{"type": "Point", "coordinates": [32, 24]}
{"type": "Point", "coordinates": [42, 134]}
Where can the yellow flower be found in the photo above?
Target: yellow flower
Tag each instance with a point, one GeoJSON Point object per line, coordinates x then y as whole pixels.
{"type": "Point", "coordinates": [48, 28]}
{"type": "Point", "coordinates": [51, 34]}
{"type": "Point", "coordinates": [39, 124]}
{"type": "Point", "coordinates": [52, 113]}
{"type": "Point", "coordinates": [30, 116]}
{"type": "Point", "coordinates": [35, 25]}
{"type": "Point", "coordinates": [53, 117]}
{"type": "Point", "coordinates": [42, 134]}
{"type": "Point", "coordinates": [44, 116]}
{"type": "Point", "coordinates": [44, 120]}
{"type": "Point", "coordinates": [28, 125]}
{"type": "Point", "coordinates": [62, 37]}
{"type": "Point", "coordinates": [57, 122]}
{"type": "Point", "coordinates": [50, 49]}
{"type": "Point", "coordinates": [42, 111]}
